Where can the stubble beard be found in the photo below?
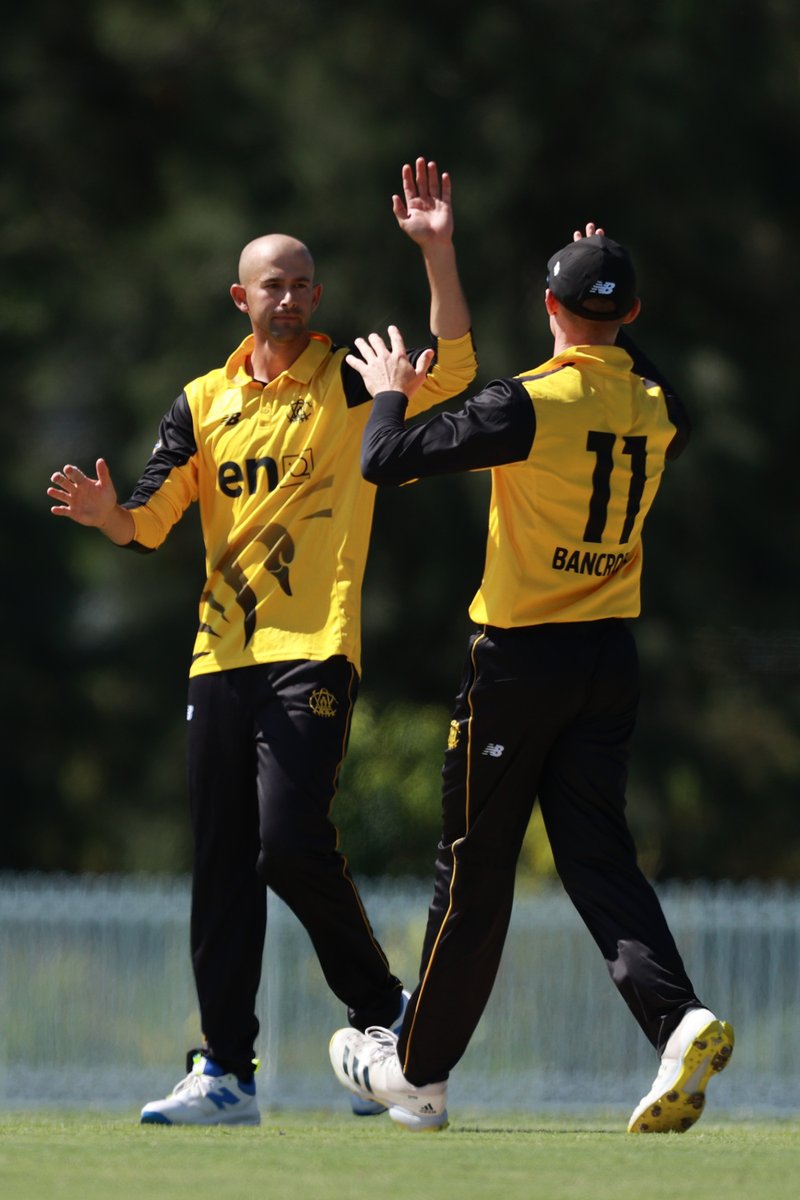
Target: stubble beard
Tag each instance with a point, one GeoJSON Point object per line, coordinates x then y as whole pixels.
{"type": "Point", "coordinates": [285, 331]}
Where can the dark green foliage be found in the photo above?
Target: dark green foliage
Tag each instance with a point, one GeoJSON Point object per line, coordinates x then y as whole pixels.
{"type": "Point", "coordinates": [144, 142]}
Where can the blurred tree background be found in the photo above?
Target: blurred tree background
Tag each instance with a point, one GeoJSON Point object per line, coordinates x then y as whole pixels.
{"type": "Point", "coordinates": [144, 141]}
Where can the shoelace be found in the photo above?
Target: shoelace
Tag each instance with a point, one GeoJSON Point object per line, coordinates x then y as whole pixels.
{"type": "Point", "coordinates": [385, 1041]}
{"type": "Point", "coordinates": [195, 1082]}
{"type": "Point", "coordinates": [189, 1084]}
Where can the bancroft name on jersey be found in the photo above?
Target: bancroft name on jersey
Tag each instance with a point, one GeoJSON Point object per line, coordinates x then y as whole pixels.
{"type": "Point", "coordinates": [588, 562]}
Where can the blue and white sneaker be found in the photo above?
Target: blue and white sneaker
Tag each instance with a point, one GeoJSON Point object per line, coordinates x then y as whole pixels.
{"type": "Point", "coordinates": [363, 1106]}
{"type": "Point", "coordinates": [207, 1096]}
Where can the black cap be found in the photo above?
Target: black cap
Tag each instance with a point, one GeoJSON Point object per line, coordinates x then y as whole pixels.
{"type": "Point", "coordinates": [594, 278]}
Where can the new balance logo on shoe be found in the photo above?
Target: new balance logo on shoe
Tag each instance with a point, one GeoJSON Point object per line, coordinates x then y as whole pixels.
{"type": "Point", "coordinates": [207, 1096]}
{"type": "Point", "coordinates": [493, 750]}
{"type": "Point", "coordinates": [222, 1097]}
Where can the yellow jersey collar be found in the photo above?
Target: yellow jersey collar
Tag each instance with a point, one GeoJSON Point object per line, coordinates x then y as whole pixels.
{"type": "Point", "coordinates": [302, 369]}
{"type": "Point", "coordinates": [609, 356]}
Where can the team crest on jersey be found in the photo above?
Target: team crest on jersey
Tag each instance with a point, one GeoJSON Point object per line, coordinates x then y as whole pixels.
{"type": "Point", "coordinates": [323, 703]}
{"type": "Point", "coordinates": [453, 736]}
{"type": "Point", "coordinates": [299, 410]}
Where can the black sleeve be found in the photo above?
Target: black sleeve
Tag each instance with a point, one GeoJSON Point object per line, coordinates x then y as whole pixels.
{"type": "Point", "coordinates": [355, 390]}
{"type": "Point", "coordinates": [675, 409]}
{"type": "Point", "coordinates": [175, 446]}
{"type": "Point", "coordinates": [497, 426]}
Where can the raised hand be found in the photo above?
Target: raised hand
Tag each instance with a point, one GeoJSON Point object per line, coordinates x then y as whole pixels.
{"type": "Point", "coordinates": [87, 501]}
{"type": "Point", "coordinates": [388, 368]}
{"type": "Point", "coordinates": [425, 210]}
{"type": "Point", "coordinates": [91, 501]}
{"type": "Point", "coordinates": [591, 230]}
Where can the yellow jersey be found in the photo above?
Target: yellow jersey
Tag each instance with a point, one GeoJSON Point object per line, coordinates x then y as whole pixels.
{"type": "Point", "coordinates": [285, 512]}
{"type": "Point", "coordinates": [577, 449]}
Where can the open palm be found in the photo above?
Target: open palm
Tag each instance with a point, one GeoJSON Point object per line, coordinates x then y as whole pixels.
{"type": "Point", "coordinates": [424, 211]}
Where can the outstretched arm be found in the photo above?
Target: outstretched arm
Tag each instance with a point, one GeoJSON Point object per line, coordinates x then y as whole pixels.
{"type": "Point", "coordinates": [425, 213]}
{"type": "Point", "coordinates": [91, 502]}
{"type": "Point", "coordinates": [496, 426]}
{"type": "Point", "coordinates": [388, 368]}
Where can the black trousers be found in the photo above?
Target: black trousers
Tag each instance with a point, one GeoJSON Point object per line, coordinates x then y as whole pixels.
{"type": "Point", "coordinates": [543, 711]}
{"type": "Point", "coordinates": [265, 747]}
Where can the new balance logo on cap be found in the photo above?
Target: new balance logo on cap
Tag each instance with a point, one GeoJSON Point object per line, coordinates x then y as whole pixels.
{"type": "Point", "coordinates": [593, 278]}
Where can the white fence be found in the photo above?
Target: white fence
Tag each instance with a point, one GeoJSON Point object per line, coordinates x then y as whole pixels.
{"type": "Point", "coordinates": [97, 1004]}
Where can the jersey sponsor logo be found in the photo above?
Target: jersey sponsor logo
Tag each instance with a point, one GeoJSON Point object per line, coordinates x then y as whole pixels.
{"type": "Point", "coordinates": [587, 562]}
{"type": "Point", "coordinates": [493, 750]}
{"type": "Point", "coordinates": [453, 735]}
{"type": "Point", "coordinates": [323, 703]}
{"type": "Point", "coordinates": [602, 288]}
{"type": "Point", "coordinates": [297, 467]}
{"type": "Point", "coordinates": [232, 476]}
{"type": "Point", "coordinates": [234, 419]}
{"type": "Point", "coordinates": [251, 475]}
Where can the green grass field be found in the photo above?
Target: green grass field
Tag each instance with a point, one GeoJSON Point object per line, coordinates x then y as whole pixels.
{"type": "Point", "coordinates": [327, 1156]}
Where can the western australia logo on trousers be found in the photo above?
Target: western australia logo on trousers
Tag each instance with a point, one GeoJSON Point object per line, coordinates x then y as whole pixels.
{"type": "Point", "coordinates": [588, 562]}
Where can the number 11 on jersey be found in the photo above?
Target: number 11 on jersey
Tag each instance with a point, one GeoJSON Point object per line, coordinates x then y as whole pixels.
{"type": "Point", "coordinates": [602, 446]}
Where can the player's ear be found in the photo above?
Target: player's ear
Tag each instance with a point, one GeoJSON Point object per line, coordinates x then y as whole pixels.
{"type": "Point", "coordinates": [316, 295]}
{"type": "Point", "coordinates": [239, 296]}
{"type": "Point", "coordinates": [550, 302]}
{"type": "Point", "coordinates": [634, 312]}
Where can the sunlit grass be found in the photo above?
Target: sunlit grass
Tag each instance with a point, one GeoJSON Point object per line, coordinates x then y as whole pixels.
{"type": "Point", "coordinates": [305, 1156]}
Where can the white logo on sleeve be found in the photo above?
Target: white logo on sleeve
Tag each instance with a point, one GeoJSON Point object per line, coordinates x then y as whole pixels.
{"type": "Point", "coordinates": [602, 289]}
{"type": "Point", "coordinates": [493, 750]}
{"type": "Point", "coordinates": [189, 711]}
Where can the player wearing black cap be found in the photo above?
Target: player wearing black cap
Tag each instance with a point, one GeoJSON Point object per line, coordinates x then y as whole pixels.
{"type": "Point", "coordinates": [577, 448]}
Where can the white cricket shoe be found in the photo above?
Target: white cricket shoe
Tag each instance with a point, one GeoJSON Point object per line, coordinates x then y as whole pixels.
{"type": "Point", "coordinates": [699, 1048]}
{"type": "Point", "coordinates": [207, 1096]}
{"type": "Point", "coordinates": [367, 1065]}
{"type": "Point", "coordinates": [361, 1106]}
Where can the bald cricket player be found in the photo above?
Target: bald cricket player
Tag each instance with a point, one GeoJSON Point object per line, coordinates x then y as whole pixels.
{"type": "Point", "coordinates": [268, 445]}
